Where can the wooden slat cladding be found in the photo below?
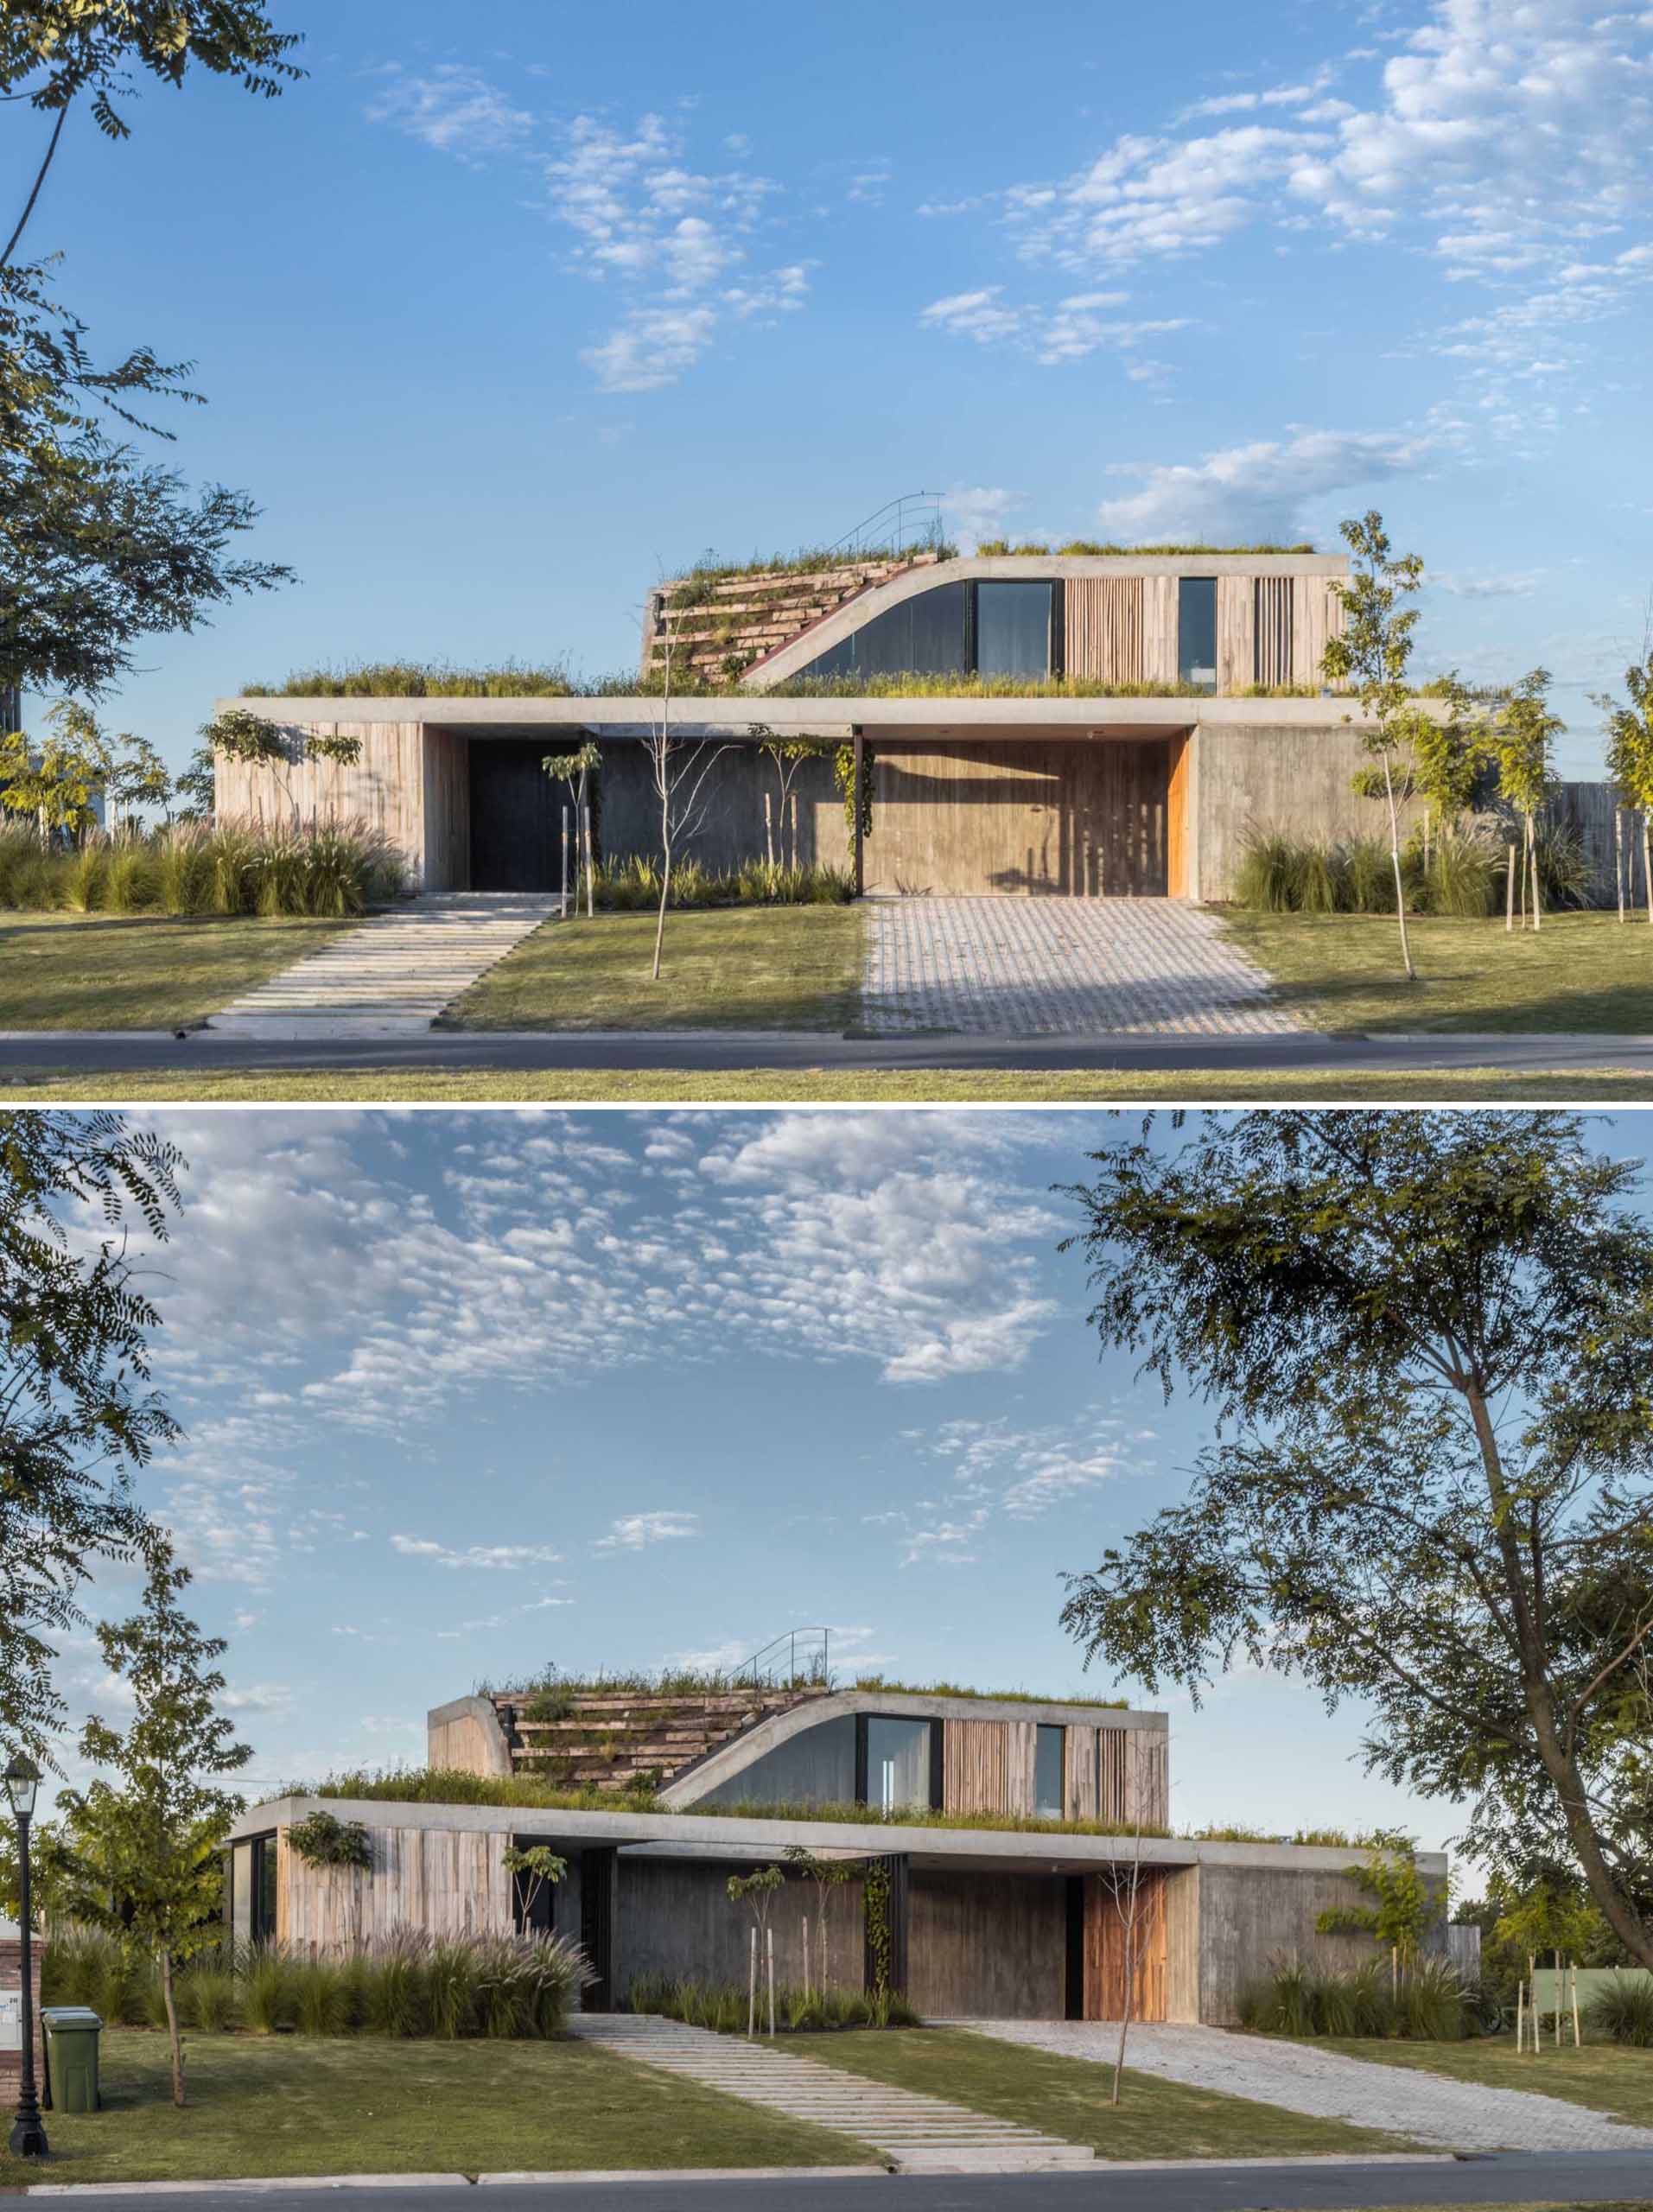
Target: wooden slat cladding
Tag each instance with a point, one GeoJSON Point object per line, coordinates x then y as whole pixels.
{"type": "Point", "coordinates": [447, 1882]}
{"type": "Point", "coordinates": [1158, 629]}
{"type": "Point", "coordinates": [1079, 1774]}
{"type": "Point", "coordinates": [1020, 1750]}
{"type": "Point", "coordinates": [1113, 1749]}
{"type": "Point", "coordinates": [1178, 850]}
{"type": "Point", "coordinates": [1272, 631]}
{"type": "Point", "coordinates": [1317, 614]}
{"type": "Point", "coordinates": [974, 1775]}
{"type": "Point", "coordinates": [1120, 1934]}
{"type": "Point", "coordinates": [1147, 1795]}
{"type": "Point", "coordinates": [1104, 637]}
{"type": "Point", "coordinates": [1235, 646]}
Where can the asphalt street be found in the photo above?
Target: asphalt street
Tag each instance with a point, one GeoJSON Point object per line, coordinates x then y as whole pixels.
{"type": "Point", "coordinates": [1578, 2177]}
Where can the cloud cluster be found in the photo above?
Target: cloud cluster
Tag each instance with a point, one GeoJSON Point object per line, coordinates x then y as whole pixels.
{"type": "Point", "coordinates": [1081, 324]}
{"type": "Point", "coordinates": [1260, 491]}
{"type": "Point", "coordinates": [999, 1471]}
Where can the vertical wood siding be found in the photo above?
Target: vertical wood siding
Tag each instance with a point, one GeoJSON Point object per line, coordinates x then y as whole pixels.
{"type": "Point", "coordinates": [384, 787]}
{"type": "Point", "coordinates": [974, 1770]}
{"type": "Point", "coordinates": [1147, 1778]}
{"type": "Point", "coordinates": [1020, 1750]}
{"type": "Point", "coordinates": [1079, 1775]}
{"type": "Point", "coordinates": [1182, 1943]}
{"type": "Point", "coordinates": [1179, 873]}
{"type": "Point", "coordinates": [1110, 1944]}
{"type": "Point", "coordinates": [1236, 644]}
{"type": "Point", "coordinates": [1158, 629]}
{"type": "Point", "coordinates": [1113, 1748]}
{"type": "Point", "coordinates": [1104, 628]}
{"type": "Point", "coordinates": [1272, 631]}
{"type": "Point", "coordinates": [1317, 614]}
{"type": "Point", "coordinates": [447, 811]}
{"type": "Point", "coordinates": [446, 1882]}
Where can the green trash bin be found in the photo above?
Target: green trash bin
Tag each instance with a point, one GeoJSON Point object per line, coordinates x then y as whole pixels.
{"type": "Point", "coordinates": [72, 2032]}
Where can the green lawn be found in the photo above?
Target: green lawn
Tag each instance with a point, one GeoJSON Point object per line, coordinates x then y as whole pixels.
{"type": "Point", "coordinates": [1069, 2097]}
{"type": "Point", "coordinates": [318, 2105]}
{"type": "Point", "coordinates": [1609, 2077]}
{"type": "Point", "coordinates": [113, 971]}
{"type": "Point", "coordinates": [1341, 972]}
{"type": "Point", "coordinates": [808, 1086]}
{"type": "Point", "coordinates": [726, 968]}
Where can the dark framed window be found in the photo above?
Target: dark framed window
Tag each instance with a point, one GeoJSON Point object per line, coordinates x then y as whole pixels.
{"type": "Point", "coordinates": [1049, 1749]}
{"type": "Point", "coordinates": [261, 1916]}
{"type": "Point", "coordinates": [1013, 629]}
{"type": "Point", "coordinates": [1197, 631]}
{"type": "Point", "coordinates": [895, 1762]}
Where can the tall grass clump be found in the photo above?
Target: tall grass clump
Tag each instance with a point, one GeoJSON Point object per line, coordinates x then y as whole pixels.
{"type": "Point", "coordinates": [321, 867]}
{"type": "Point", "coordinates": [722, 2007]}
{"type": "Point", "coordinates": [268, 1981]}
{"type": "Point", "coordinates": [1429, 2005]}
{"type": "Point", "coordinates": [1622, 2010]}
{"type": "Point", "coordinates": [631, 882]}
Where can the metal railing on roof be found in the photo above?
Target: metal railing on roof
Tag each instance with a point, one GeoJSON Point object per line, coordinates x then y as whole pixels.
{"type": "Point", "coordinates": [796, 1659]}
{"type": "Point", "coordinates": [906, 524]}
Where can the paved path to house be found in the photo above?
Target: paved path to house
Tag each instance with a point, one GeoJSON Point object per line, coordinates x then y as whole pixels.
{"type": "Point", "coordinates": [1059, 967]}
{"type": "Point", "coordinates": [919, 2133]}
{"type": "Point", "coordinates": [394, 975]}
{"type": "Point", "coordinates": [1425, 2107]}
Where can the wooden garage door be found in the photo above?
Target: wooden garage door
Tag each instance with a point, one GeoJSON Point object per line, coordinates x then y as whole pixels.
{"type": "Point", "coordinates": [1079, 818]}
{"type": "Point", "coordinates": [1109, 1945]}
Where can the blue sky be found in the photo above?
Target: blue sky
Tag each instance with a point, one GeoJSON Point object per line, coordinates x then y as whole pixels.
{"type": "Point", "coordinates": [507, 306]}
{"type": "Point", "coordinates": [466, 1393]}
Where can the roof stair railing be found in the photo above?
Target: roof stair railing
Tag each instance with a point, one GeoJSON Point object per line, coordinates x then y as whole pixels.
{"type": "Point", "coordinates": [796, 1659]}
{"type": "Point", "coordinates": [910, 524]}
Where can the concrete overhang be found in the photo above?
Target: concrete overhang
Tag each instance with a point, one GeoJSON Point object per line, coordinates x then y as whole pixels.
{"type": "Point", "coordinates": [878, 718]}
{"type": "Point", "coordinates": [724, 1763]}
{"type": "Point", "coordinates": [829, 630]}
{"type": "Point", "coordinates": [738, 1838]}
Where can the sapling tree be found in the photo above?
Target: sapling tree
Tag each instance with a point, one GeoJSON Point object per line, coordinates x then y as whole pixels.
{"type": "Point", "coordinates": [756, 1890]}
{"type": "Point", "coordinates": [239, 734]}
{"type": "Point", "coordinates": [1402, 1907]}
{"type": "Point", "coordinates": [828, 1875]}
{"type": "Point", "coordinates": [1523, 738]}
{"type": "Point", "coordinates": [786, 755]}
{"type": "Point", "coordinates": [533, 1868]}
{"type": "Point", "coordinates": [680, 770]}
{"type": "Point", "coordinates": [1427, 1340]}
{"type": "Point", "coordinates": [60, 780]}
{"type": "Point", "coordinates": [197, 786]}
{"type": "Point", "coordinates": [1372, 654]}
{"type": "Point", "coordinates": [576, 770]}
{"type": "Point", "coordinates": [147, 1850]}
{"type": "Point", "coordinates": [1629, 761]}
{"type": "Point", "coordinates": [138, 778]}
{"type": "Point", "coordinates": [77, 1415]}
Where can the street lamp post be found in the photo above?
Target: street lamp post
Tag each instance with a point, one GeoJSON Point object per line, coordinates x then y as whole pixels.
{"type": "Point", "coordinates": [28, 2138]}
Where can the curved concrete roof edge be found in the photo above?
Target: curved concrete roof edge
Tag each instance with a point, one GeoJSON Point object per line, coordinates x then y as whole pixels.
{"type": "Point", "coordinates": [729, 1759]}
{"type": "Point", "coordinates": [1001, 568]}
{"type": "Point", "coordinates": [483, 1712]}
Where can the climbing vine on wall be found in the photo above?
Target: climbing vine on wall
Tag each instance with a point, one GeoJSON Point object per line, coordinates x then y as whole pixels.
{"type": "Point", "coordinates": [875, 1911]}
{"type": "Point", "coordinates": [843, 775]}
{"type": "Point", "coordinates": [321, 1840]}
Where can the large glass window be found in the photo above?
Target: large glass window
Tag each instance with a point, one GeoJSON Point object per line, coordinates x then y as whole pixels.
{"type": "Point", "coordinates": [1047, 1773]}
{"type": "Point", "coordinates": [815, 1767]}
{"type": "Point", "coordinates": [1013, 629]}
{"type": "Point", "coordinates": [1197, 631]}
{"type": "Point", "coordinates": [898, 1763]}
{"type": "Point", "coordinates": [924, 635]}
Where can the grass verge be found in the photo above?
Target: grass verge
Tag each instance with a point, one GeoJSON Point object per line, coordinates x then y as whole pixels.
{"type": "Point", "coordinates": [108, 971]}
{"type": "Point", "coordinates": [725, 968]}
{"type": "Point", "coordinates": [1069, 2097]}
{"type": "Point", "coordinates": [1340, 972]}
{"type": "Point", "coordinates": [1607, 2077]}
{"type": "Point", "coordinates": [288, 2104]}
{"type": "Point", "coordinates": [833, 1086]}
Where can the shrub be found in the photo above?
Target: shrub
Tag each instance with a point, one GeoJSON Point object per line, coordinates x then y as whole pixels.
{"type": "Point", "coordinates": [321, 1998]}
{"type": "Point", "coordinates": [208, 1997]}
{"type": "Point", "coordinates": [722, 2007]}
{"type": "Point", "coordinates": [1623, 2009]}
{"type": "Point", "coordinates": [1430, 2005]}
{"type": "Point", "coordinates": [1462, 876]}
{"type": "Point", "coordinates": [393, 1986]}
{"type": "Point", "coordinates": [633, 882]}
{"type": "Point", "coordinates": [324, 867]}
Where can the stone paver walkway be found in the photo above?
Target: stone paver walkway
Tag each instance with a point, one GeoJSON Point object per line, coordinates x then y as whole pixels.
{"type": "Point", "coordinates": [1059, 967]}
{"type": "Point", "coordinates": [916, 2133]}
{"type": "Point", "coordinates": [1329, 2085]}
{"type": "Point", "coordinates": [393, 974]}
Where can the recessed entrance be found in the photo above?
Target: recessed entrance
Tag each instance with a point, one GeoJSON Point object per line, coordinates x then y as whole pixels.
{"type": "Point", "coordinates": [515, 820]}
{"type": "Point", "coordinates": [1062, 817]}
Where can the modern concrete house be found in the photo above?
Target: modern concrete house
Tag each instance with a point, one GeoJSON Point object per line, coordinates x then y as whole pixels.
{"type": "Point", "coordinates": [1006, 1890]}
{"type": "Point", "coordinates": [1089, 724]}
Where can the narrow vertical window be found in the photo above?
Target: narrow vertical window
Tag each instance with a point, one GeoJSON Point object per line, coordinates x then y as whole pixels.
{"type": "Point", "coordinates": [1048, 1752]}
{"type": "Point", "coordinates": [1197, 633]}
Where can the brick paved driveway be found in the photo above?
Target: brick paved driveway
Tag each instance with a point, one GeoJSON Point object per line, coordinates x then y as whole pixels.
{"type": "Point", "coordinates": [1061, 968]}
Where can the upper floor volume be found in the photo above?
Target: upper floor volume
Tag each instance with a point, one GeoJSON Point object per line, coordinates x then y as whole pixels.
{"type": "Point", "coordinates": [1199, 623]}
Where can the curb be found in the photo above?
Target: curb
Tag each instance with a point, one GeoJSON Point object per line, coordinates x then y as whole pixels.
{"type": "Point", "coordinates": [265, 2184]}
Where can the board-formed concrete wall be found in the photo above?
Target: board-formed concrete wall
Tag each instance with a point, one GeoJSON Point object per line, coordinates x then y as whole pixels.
{"type": "Point", "coordinates": [1251, 1917]}
{"type": "Point", "coordinates": [675, 1919]}
{"type": "Point", "coordinates": [986, 1945]}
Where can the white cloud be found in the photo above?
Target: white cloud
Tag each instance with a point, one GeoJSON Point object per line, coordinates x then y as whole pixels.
{"type": "Point", "coordinates": [998, 1471]}
{"type": "Point", "coordinates": [1074, 329]}
{"type": "Point", "coordinates": [974, 512]}
{"type": "Point", "coordinates": [1521, 586]}
{"type": "Point", "coordinates": [1257, 493]}
{"type": "Point", "coordinates": [632, 1532]}
{"type": "Point", "coordinates": [492, 1557]}
{"type": "Point", "coordinates": [453, 109]}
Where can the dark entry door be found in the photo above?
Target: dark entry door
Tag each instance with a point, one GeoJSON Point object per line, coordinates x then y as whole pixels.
{"type": "Point", "coordinates": [516, 821]}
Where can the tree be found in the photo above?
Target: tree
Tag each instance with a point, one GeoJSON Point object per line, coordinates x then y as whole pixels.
{"type": "Point", "coordinates": [147, 1855]}
{"type": "Point", "coordinates": [786, 755]}
{"type": "Point", "coordinates": [1404, 1907]}
{"type": "Point", "coordinates": [76, 1415]}
{"type": "Point", "coordinates": [1523, 736]}
{"type": "Point", "coordinates": [1428, 1340]}
{"type": "Point", "coordinates": [1629, 761]}
{"type": "Point", "coordinates": [533, 1868]}
{"type": "Point", "coordinates": [239, 734]}
{"type": "Point", "coordinates": [60, 780]}
{"type": "Point", "coordinates": [138, 778]}
{"type": "Point", "coordinates": [60, 48]}
{"type": "Point", "coordinates": [827, 1874]}
{"type": "Point", "coordinates": [756, 1890]}
{"type": "Point", "coordinates": [1373, 653]}
{"type": "Point", "coordinates": [197, 786]}
{"type": "Point", "coordinates": [576, 770]}
{"type": "Point", "coordinates": [680, 770]}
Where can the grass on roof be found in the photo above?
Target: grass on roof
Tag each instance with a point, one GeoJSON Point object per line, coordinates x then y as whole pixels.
{"type": "Point", "coordinates": [413, 679]}
{"type": "Point", "coordinates": [711, 568]}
